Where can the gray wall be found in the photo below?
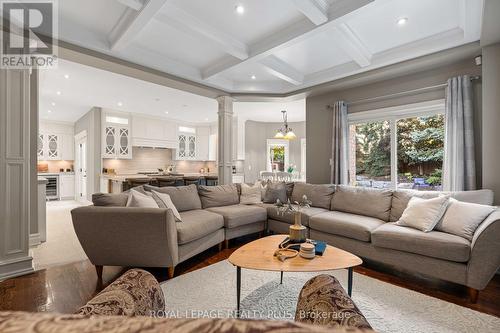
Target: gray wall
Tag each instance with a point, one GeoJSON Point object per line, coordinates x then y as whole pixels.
{"type": "Point", "coordinates": [491, 119]}
{"type": "Point", "coordinates": [256, 135]}
{"type": "Point", "coordinates": [91, 122]}
{"type": "Point", "coordinates": [319, 118]}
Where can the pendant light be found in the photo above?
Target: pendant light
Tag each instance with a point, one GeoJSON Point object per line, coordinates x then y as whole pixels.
{"type": "Point", "coordinates": [285, 132]}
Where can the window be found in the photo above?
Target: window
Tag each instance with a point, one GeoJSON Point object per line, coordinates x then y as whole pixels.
{"type": "Point", "coordinates": [399, 147]}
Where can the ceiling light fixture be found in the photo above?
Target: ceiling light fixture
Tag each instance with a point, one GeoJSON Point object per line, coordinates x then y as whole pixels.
{"type": "Point", "coordinates": [166, 112]}
{"type": "Point", "coordinates": [402, 21]}
{"type": "Point", "coordinates": [53, 104]}
{"type": "Point", "coordinates": [66, 76]}
{"type": "Point", "coordinates": [58, 93]}
{"type": "Point", "coordinates": [239, 9]}
{"type": "Point", "coordinates": [285, 132]}
{"type": "Point", "coordinates": [49, 111]}
{"type": "Point", "coordinates": [253, 77]}
{"type": "Point", "coordinates": [119, 104]}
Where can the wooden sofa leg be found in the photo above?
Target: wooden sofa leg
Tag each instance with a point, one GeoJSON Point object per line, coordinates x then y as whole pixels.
{"type": "Point", "coordinates": [171, 271]}
{"type": "Point", "coordinates": [473, 295]}
{"type": "Point", "coordinates": [221, 244]}
{"type": "Point", "coordinates": [226, 243]}
{"type": "Point", "coordinates": [98, 269]}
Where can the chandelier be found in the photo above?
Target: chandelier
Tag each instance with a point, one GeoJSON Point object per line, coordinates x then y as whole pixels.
{"type": "Point", "coordinates": [285, 132]}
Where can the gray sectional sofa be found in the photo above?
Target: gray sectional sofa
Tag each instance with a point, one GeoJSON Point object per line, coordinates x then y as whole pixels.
{"type": "Point", "coordinates": [359, 220]}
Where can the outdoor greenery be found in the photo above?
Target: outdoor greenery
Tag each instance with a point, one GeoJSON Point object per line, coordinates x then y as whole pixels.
{"type": "Point", "coordinates": [420, 149]}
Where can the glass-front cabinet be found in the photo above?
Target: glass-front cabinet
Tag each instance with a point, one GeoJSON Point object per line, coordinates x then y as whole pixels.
{"type": "Point", "coordinates": [187, 143]}
{"type": "Point", "coordinates": [49, 147]}
{"type": "Point", "coordinates": [116, 141]}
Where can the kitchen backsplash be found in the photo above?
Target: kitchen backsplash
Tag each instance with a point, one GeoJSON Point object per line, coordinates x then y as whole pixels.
{"type": "Point", "coordinates": [150, 160]}
{"type": "Point", "coordinates": [55, 166]}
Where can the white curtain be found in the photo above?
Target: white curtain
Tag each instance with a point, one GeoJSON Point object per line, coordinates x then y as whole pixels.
{"type": "Point", "coordinates": [459, 166]}
{"type": "Point", "coordinates": [339, 162]}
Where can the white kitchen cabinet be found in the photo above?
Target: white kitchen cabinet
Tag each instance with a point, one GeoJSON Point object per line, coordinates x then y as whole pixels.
{"type": "Point", "coordinates": [55, 141]}
{"type": "Point", "coordinates": [104, 184]}
{"type": "Point", "coordinates": [203, 138]}
{"type": "Point", "coordinates": [238, 179]}
{"type": "Point", "coordinates": [212, 147]}
{"type": "Point", "coordinates": [153, 132]}
{"type": "Point", "coordinates": [116, 138]}
{"type": "Point", "coordinates": [66, 186]}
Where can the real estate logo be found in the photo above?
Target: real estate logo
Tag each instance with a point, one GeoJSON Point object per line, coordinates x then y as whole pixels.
{"type": "Point", "coordinates": [29, 34]}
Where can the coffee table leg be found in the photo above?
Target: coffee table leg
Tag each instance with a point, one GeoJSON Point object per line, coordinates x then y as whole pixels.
{"type": "Point", "coordinates": [238, 290]}
{"type": "Point", "coordinates": [349, 281]}
{"type": "Point", "coordinates": [281, 279]}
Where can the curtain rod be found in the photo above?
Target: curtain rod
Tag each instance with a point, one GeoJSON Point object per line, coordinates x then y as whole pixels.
{"type": "Point", "coordinates": [404, 93]}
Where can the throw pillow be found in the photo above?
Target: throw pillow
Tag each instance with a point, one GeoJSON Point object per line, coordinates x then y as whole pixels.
{"type": "Point", "coordinates": [424, 214]}
{"type": "Point", "coordinates": [137, 199]}
{"type": "Point", "coordinates": [274, 192]}
{"type": "Point", "coordinates": [463, 218]}
{"type": "Point", "coordinates": [250, 194]}
{"type": "Point", "coordinates": [164, 201]}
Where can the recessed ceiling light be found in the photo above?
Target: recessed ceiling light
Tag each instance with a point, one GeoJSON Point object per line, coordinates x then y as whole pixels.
{"type": "Point", "coordinates": [66, 76]}
{"type": "Point", "coordinates": [166, 112]}
{"type": "Point", "coordinates": [253, 77]}
{"type": "Point", "coordinates": [402, 21]}
{"type": "Point", "coordinates": [49, 111]}
{"type": "Point", "coordinates": [206, 119]}
{"type": "Point", "coordinates": [239, 9]}
{"type": "Point", "coordinates": [58, 92]}
{"type": "Point", "coordinates": [119, 103]}
{"type": "Point", "coordinates": [53, 104]}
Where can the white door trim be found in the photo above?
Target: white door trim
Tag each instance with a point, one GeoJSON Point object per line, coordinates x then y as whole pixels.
{"type": "Point", "coordinates": [274, 143]}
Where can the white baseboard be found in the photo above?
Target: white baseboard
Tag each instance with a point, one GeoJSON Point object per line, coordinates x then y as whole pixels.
{"type": "Point", "coordinates": [34, 240]}
{"type": "Point", "coordinates": [16, 267]}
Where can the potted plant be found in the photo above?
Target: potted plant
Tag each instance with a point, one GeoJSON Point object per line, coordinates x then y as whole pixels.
{"type": "Point", "coordinates": [298, 232]}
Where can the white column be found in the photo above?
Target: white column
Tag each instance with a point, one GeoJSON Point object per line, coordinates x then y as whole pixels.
{"type": "Point", "coordinates": [225, 144]}
{"type": "Point", "coordinates": [15, 170]}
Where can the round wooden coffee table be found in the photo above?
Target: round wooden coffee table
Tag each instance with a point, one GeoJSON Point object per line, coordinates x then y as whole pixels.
{"type": "Point", "coordinates": [259, 255]}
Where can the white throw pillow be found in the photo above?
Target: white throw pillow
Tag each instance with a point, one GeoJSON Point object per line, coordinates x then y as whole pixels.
{"type": "Point", "coordinates": [138, 199]}
{"type": "Point", "coordinates": [164, 201]}
{"type": "Point", "coordinates": [251, 194]}
{"type": "Point", "coordinates": [424, 214]}
{"type": "Point", "coordinates": [463, 218]}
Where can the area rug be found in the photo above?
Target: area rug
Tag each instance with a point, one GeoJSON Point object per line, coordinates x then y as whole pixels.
{"type": "Point", "coordinates": [211, 292]}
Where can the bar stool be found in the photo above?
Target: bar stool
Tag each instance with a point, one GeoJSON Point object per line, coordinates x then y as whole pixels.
{"type": "Point", "coordinates": [166, 181]}
{"type": "Point", "coordinates": [189, 180]}
{"type": "Point", "coordinates": [212, 180]}
{"type": "Point", "coordinates": [134, 182]}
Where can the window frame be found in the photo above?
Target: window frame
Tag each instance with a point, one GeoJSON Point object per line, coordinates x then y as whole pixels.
{"type": "Point", "coordinates": [392, 115]}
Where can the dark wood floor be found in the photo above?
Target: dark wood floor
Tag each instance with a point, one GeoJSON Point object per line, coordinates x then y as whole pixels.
{"type": "Point", "coordinates": [65, 288]}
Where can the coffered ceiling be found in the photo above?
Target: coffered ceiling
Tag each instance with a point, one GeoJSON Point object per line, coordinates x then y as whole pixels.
{"type": "Point", "coordinates": [268, 46]}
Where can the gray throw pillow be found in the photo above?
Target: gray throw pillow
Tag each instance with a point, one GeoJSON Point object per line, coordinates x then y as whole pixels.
{"type": "Point", "coordinates": [275, 191]}
{"type": "Point", "coordinates": [138, 199]}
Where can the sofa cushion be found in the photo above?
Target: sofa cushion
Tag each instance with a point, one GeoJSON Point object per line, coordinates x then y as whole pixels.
{"type": "Point", "coordinates": [345, 224]}
{"type": "Point", "coordinates": [320, 195]}
{"type": "Point", "coordinates": [238, 215]}
{"type": "Point", "coordinates": [434, 244]}
{"type": "Point", "coordinates": [110, 200]}
{"type": "Point", "coordinates": [184, 197]}
{"type": "Point", "coordinates": [306, 214]}
{"type": "Point", "coordinates": [250, 194]}
{"type": "Point", "coordinates": [196, 224]}
{"type": "Point", "coordinates": [363, 201]}
{"type": "Point", "coordinates": [221, 195]}
{"type": "Point", "coordinates": [400, 199]}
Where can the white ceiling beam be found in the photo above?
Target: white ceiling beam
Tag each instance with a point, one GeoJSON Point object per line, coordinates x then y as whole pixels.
{"type": "Point", "coordinates": [134, 4]}
{"type": "Point", "coordinates": [282, 70]}
{"type": "Point", "coordinates": [315, 10]}
{"type": "Point", "coordinates": [185, 22]}
{"type": "Point", "coordinates": [132, 22]}
{"type": "Point", "coordinates": [289, 36]}
{"type": "Point", "coordinates": [350, 43]}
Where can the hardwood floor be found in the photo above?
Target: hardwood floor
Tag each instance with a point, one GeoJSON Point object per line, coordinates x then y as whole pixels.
{"type": "Point", "coordinates": [65, 288]}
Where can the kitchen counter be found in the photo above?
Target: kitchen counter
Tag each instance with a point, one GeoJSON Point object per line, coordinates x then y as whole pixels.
{"type": "Point", "coordinates": [124, 177]}
{"type": "Point", "coordinates": [55, 173]}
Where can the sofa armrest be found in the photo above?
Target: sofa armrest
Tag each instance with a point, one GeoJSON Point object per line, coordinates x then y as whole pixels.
{"type": "Point", "coordinates": [323, 301]}
{"type": "Point", "coordinates": [135, 293]}
{"type": "Point", "coordinates": [125, 236]}
{"type": "Point", "coordinates": [484, 260]}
